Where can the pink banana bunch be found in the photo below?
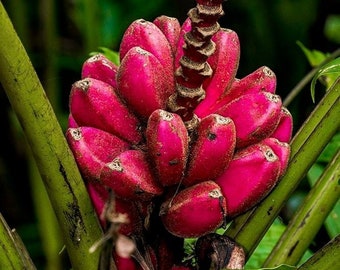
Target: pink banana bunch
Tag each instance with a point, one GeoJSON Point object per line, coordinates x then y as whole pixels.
{"type": "Point", "coordinates": [182, 142]}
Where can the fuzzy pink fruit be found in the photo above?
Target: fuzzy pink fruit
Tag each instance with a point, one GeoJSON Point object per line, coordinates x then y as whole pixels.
{"type": "Point", "coordinates": [100, 68]}
{"type": "Point", "coordinates": [98, 195]}
{"type": "Point", "coordinates": [92, 148]}
{"type": "Point", "coordinates": [262, 79]}
{"type": "Point", "coordinates": [255, 115]}
{"type": "Point", "coordinates": [284, 129]}
{"type": "Point", "coordinates": [213, 149]}
{"type": "Point", "coordinates": [143, 83]}
{"type": "Point", "coordinates": [195, 211]}
{"type": "Point", "coordinates": [71, 123]}
{"type": "Point", "coordinates": [150, 38]}
{"type": "Point", "coordinates": [94, 103]}
{"type": "Point", "coordinates": [224, 63]}
{"type": "Point", "coordinates": [281, 150]}
{"type": "Point", "coordinates": [170, 28]}
{"type": "Point", "coordinates": [130, 177]}
{"type": "Point", "coordinates": [168, 142]}
{"type": "Point", "coordinates": [250, 176]}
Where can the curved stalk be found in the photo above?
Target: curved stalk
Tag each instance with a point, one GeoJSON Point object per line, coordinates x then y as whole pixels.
{"type": "Point", "coordinates": [13, 254]}
{"type": "Point", "coordinates": [54, 159]}
{"type": "Point", "coordinates": [309, 218]}
{"type": "Point", "coordinates": [306, 146]}
{"type": "Point", "coordinates": [325, 258]}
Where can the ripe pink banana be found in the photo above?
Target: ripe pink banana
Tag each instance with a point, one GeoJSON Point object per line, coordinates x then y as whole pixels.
{"type": "Point", "coordinates": [94, 103]}
{"type": "Point", "coordinates": [250, 176]}
{"type": "Point", "coordinates": [281, 150]}
{"type": "Point", "coordinates": [150, 38]}
{"type": "Point", "coordinates": [284, 130]}
{"type": "Point", "coordinates": [213, 149]}
{"type": "Point", "coordinates": [92, 148]}
{"type": "Point", "coordinates": [130, 177]}
{"type": "Point", "coordinates": [195, 211]}
{"type": "Point", "coordinates": [185, 28]}
{"type": "Point", "coordinates": [100, 68]}
{"type": "Point", "coordinates": [168, 142]}
{"type": "Point", "coordinates": [170, 28]}
{"type": "Point", "coordinates": [255, 115]}
{"type": "Point", "coordinates": [71, 123]}
{"type": "Point", "coordinates": [224, 63]}
{"type": "Point", "coordinates": [98, 195]}
{"type": "Point", "coordinates": [262, 79]}
{"type": "Point", "coordinates": [143, 83]}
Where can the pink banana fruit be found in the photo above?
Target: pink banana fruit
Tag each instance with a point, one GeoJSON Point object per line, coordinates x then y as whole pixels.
{"type": "Point", "coordinates": [92, 148]}
{"type": "Point", "coordinates": [213, 149]}
{"type": "Point", "coordinates": [71, 123]}
{"type": "Point", "coordinates": [250, 176]}
{"type": "Point", "coordinates": [170, 28]}
{"type": "Point", "coordinates": [224, 63]}
{"type": "Point", "coordinates": [100, 68]}
{"type": "Point", "coordinates": [130, 177]}
{"type": "Point", "coordinates": [95, 103]}
{"type": "Point", "coordinates": [143, 82]}
{"type": "Point", "coordinates": [150, 38]}
{"type": "Point", "coordinates": [98, 195]}
{"type": "Point", "coordinates": [284, 130]}
{"type": "Point", "coordinates": [185, 28]}
{"type": "Point", "coordinates": [168, 145]}
{"type": "Point", "coordinates": [281, 150]}
{"type": "Point", "coordinates": [262, 79]}
{"type": "Point", "coordinates": [195, 211]}
{"type": "Point", "coordinates": [258, 121]}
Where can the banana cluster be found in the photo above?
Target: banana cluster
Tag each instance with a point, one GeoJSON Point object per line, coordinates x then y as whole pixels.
{"type": "Point", "coordinates": [128, 136]}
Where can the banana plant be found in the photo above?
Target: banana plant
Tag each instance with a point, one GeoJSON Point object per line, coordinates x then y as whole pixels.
{"type": "Point", "coordinates": [167, 145]}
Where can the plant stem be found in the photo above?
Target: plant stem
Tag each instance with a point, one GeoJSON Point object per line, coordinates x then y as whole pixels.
{"type": "Point", "coordinates": [54, 158]}
{"type": "Point", "coordinates": [325, 258]}
{"type": "Point", "coordinates": [51, 238]}
{"type": "Point", "coordinates": [13, 254]}
{"type": "Point", "coordinates": [306, 146]}
{"type": "Point", "coordinates": [309, 218]}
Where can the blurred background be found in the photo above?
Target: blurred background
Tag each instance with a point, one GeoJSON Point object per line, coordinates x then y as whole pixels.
{"type": "Point", "coordinates": [60, 35]}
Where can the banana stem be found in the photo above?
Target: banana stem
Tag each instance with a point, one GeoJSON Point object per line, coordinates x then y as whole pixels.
{"type": "Point", "coordinates": [306, 146]}
{"type": "Point", "coordinates": [13, 253]}
{"type": "Point", "coordinates": [54, 159]}
{"type": "Point", "coordinates": [194, 68]}
{"type": "Point", "coordinates": [309, 218]}
{"type": "Point", "coordinates": [325, 258]}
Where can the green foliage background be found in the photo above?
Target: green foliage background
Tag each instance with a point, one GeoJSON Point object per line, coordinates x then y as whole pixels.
{"type": "Point", "coordinates": [59, 36]}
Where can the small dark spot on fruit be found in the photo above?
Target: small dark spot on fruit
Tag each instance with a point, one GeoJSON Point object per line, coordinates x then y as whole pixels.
{"type": "Point", "coordinates": [211, 136]}
{"type": "Point", "coordinates": [173, 162]}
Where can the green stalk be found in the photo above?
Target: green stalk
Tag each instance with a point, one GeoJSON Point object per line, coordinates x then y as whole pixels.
{"type": "Point", "coordinates": [325, 258]}
{"type": "Point", "coordinates": [54, 158]}
{"type": "Point", "coordinates": [306, 146]}
{"type": "Point", "coordinates": [51, 238]}
{"type": "Point", "coordinates": [13, 254]}
{"type": "Point", "coordinates": [308, 220]}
